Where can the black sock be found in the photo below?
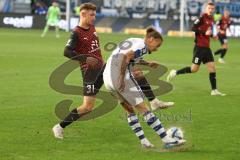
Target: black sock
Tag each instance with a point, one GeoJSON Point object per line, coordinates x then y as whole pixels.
{"type": "Point", "coordinates": [213, 81]}
{"type": "Point", "coordinates": [73, 116]}
{"type": "Point", "coordinates": [146, 88]}
{"type": "Point", "coordinates": [184, 70]}
{"type": "Point", "coordinates": [224, 51]}
{"type": "Point", "coordinates": [218, 52]}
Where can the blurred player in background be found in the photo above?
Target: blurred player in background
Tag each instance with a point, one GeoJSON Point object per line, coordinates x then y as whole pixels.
{"type": "Point", "coordinates": [222, 25]}
{"type": "Point", "coordinates": [217, 16]}
{"type": "Point", "coordinates": [202, 52]}
{"type": "Point", "coordinates": [53, 18]}
{"type": "Point", "coordinates": [119, 79]}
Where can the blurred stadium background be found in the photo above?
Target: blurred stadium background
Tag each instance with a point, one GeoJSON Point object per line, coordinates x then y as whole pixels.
{"type": "Point", "coordinates": [127, 16]}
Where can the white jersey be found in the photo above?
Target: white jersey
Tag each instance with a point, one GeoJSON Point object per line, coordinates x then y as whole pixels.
{"type": "Point", "coordinates": [132, 92]}
{"type": "Point", "coordinates": [137, 45]}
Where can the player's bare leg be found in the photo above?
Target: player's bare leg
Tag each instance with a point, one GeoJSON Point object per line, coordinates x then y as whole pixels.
{"type": "Point", "coordinates": [147, 90]}
{"type": "Point", "coordinates": [45, 30]}
{"type": "Point", "coordinates": [74, 115]}
{"type": "Point", "coordinates": [212, 77]}
{"type": "Point", "coordinates": [223, 53]}
{"type": "Point", "coordinates": [57, 32]}
{"type": "Point", "coordinates": [195, 68]}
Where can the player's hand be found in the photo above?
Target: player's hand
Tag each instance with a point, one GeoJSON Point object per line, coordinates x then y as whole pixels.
{"type": "Point", "coordinates": [91, 62]}
{"type": "Point", "coordinates": [209, 32]}
{"type": "Point", "coordinates": [153, 64]}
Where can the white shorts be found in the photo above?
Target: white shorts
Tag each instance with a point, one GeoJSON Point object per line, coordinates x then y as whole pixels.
{"type": "Point", "coordinates": [132, 93]}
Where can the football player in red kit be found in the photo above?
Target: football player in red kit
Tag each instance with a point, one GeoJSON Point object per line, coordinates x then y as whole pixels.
{"type": "Point", "coordinates": [222, 25]}
{"type": "Point", "coordinates": [83, 46]}
{"type": "Point", "coordinates": [202, 52]}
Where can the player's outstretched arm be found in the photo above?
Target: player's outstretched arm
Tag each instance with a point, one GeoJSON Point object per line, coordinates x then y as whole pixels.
{"type": "Point", "coordinates": [151, 64]}
{"type": "Point", "coordinates": [143, 62]}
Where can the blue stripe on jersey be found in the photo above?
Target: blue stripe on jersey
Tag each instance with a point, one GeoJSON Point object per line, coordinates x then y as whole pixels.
{"type": "Point", "coordinates": [140, 52]}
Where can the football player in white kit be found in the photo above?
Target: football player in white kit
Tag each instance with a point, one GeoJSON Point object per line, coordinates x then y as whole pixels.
{"type": "Point", "coordinates": [118, 79]}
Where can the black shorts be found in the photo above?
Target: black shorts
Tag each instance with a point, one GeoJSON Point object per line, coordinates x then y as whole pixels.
{"type": "Point", "coordinates": [202, 55]}
{"type": "Point", "coordinates": [222, 39]}
{"type": "Point", "coordinates": [92, 81]}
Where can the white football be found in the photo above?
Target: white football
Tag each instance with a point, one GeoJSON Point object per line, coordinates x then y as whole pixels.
{"type": "Point", "coordinates": [175, 132]}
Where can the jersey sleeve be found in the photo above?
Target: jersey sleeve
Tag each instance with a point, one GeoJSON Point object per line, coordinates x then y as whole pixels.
{"type": "Point", "coordinates": [72, 42]}
{"type": "Point", "coordinates": [196, 24]}
{"type": "Point", "coordinates": [69, 50]}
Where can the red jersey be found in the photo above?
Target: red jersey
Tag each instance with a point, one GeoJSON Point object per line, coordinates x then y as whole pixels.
{"type": "Point", "coordinates": [223, 24]}
{"type": "Point", "coordinates": [85, 42]}
{"type": "Point", "coordinates": [201, 25]}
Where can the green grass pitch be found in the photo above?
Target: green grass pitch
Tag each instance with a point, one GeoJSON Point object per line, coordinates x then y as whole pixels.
{"type": "Point", "coordinates": [211, 124]}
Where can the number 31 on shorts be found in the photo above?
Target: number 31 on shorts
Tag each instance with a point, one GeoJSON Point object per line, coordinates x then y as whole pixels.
{"type": "Point", "coordinates": [90, 88]}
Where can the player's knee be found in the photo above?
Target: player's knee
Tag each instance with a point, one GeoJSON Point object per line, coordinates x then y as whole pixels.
{"type": "Point", "coordinates": [194, 69]}
{"type": "Point", "coordinates": [225, 46]}
{"type": "Point", "coordinates": [212, 70]}
{"type": "Point", "coordinates": [142, 109]}
{"type": "Point", "coordinates": [127, 108]}
{"type": "Point", "coordinates": [88, 108]}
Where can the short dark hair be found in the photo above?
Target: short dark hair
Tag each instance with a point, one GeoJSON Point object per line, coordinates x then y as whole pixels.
{"type": "Point", "coordinates": [210, 4]}
{"type": "Point", "coordinates": [88, 6]}
{"type": "Point", "coordinates": [152, 32]}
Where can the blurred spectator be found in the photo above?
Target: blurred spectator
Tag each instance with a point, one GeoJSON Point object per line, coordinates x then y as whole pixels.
{"type": "Point", "coordinates": [5, 5]}
{"type": "Point", "coordinates": [157, 26]}
{"type": "Point", "coordinates": [40, 8]}
{"type": "Point", "coordinates": [33, 6]}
